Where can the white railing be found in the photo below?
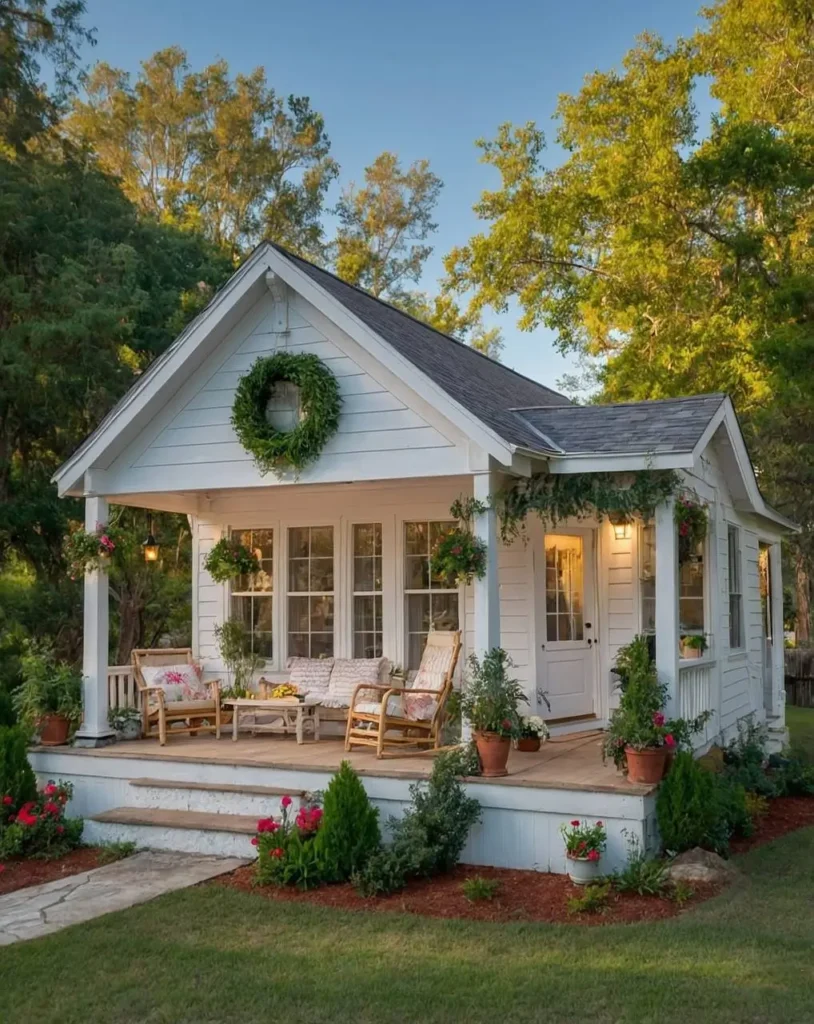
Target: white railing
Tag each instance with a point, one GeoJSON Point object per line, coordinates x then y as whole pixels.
{"type": "Point", "coordinates": [122, 691]}
{"type": "Point", "coordinates": [695, 694]}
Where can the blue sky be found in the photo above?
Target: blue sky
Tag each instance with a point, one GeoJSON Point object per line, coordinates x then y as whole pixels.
{"type": "Point", "coordinates": [424, 79]}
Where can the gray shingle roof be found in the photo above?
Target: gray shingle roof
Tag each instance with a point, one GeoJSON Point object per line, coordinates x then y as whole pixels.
{"type": "Point", "coordinates": [664, 425]}
{"type": "Point", "coordinates": [486, 388]}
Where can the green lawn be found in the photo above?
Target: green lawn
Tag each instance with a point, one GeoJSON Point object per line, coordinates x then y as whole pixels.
{"type": "Point", "coordinates": [801, 730]}
{"type": "Point", "coordinates": [216, 955]}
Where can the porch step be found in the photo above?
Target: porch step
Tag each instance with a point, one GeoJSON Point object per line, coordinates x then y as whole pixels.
{"type": "Point", "coordinates": [212, 797]}
{"type": "Point", "coordinates": [226, 835]}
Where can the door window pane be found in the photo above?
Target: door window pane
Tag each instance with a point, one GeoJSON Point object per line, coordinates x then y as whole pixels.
{"type": "Point", "coordinates": [310, 591]}
{"type": "Point", "coordinates": [564, 588]}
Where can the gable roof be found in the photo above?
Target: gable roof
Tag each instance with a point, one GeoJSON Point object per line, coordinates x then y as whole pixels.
{"type": "Point", "coordinates": [663, 425]}
{"type": "Point", "coordinates": [485, 387]}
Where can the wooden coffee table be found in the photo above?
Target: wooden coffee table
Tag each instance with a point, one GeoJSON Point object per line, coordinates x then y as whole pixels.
{"type": "Point", "coordinates": [298, 716]}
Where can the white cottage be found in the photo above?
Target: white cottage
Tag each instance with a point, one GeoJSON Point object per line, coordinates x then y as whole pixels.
{"type": "Point", "coordinates": [424, 420]}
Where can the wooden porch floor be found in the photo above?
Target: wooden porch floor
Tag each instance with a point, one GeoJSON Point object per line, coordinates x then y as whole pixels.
{"type": "Point", "coordinates": [571, 762]}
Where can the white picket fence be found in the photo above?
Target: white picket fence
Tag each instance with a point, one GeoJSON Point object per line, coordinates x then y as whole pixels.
{"type": "Point", "coordinates": [695, 695]}
{"type": "Point", "coordinates": [122, 691]}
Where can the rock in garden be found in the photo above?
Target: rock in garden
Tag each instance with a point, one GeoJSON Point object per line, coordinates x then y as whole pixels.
{"type": "Point", "coordinates": [699, 865]}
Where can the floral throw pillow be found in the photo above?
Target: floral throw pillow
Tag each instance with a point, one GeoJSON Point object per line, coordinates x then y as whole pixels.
{"type": "Point", "coordinates": [179, 682]}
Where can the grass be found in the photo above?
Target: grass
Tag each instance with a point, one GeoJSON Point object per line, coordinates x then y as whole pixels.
{"type": "Point", "coordinates": [800, 722]}
{"type": "Point", "coordinates": [209, 954]}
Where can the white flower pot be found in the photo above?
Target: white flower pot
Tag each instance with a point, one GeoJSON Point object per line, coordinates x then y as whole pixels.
{"type": "Point", "coordinates": [582, 871]}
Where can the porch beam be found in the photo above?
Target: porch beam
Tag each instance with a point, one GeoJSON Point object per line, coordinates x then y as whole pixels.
{"type": "Point", "coordinates": [95, 730]}
{"type": "Point", "coordinates": [667, 634]}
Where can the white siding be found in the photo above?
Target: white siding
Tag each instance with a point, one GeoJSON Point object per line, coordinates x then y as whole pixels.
{"type": "Point", "coordinates": [618, 569]}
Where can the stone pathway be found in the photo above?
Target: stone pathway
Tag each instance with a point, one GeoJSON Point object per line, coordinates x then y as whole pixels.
{"type": "Point", "coordinates": [42, 909]}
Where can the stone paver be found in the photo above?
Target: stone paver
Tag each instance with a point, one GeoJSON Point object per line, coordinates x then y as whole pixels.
{"type": "Point", "coordinates": [42, 909]}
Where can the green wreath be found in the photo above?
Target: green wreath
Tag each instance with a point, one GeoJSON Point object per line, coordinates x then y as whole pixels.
{"type": "Point", "coordinates": [274, 450]}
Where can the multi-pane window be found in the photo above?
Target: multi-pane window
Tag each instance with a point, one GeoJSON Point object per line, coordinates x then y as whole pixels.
{"type": "Point", "coordinates": [647, 577]}
{"type": "Point", "coordinates": [735, 593]}
{"type": "Point", "coordinates": [252, 594]}
{"type": "Point", "coordinates": [367, 590]}
{"type": "Point", "coordinates": [430, 604]}
{"type": "Point", "coordinates": [311, 591]}
{"type": "Point", "coordinates": [564, 583]}
{"type": "Point", "coordinates": [691, 593]}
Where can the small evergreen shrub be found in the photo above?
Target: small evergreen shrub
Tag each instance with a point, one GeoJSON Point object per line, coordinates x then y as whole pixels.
{"type": "Point", "coordinates": [385, 872]}
{"type": "Point", "coordinates": [8, 718]}
{"type": "Point", "coordinates": [687, 808]}
{"type": "Point", "coordinates": [18, 783]}
{"type": "Point", "coordinates": [349, 834]}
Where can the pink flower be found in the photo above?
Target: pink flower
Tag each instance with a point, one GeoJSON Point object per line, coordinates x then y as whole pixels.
{"type": "Point", "coordinates": [669, 740]}
{"type": "Point", "coordinates": [575, 822]}
{"type": "Point", "coordinates": [286, 801]}
{"type": "Point", "coordinates": [658, 719]}
{"type": "Point", "coordinates": [50, 789]}
{"type": "Point", "coordinates": [7, 801]}
{"type": "Point", "coordinates": [267, 825]}
{"type": "Point", "coordinates": [278, 852]}
{"type": "Point", "coordinates": [60, 830]}
{"type": "Point", "coordinates": [255, 840]}
{"type": "Point", "coordinates": [505, 724]}
{"type": "Point", "coordinates": [594, 855]}
{"type": "Point", "coordinates": [51, 808]}
{"type": "Point", "coordinates": [599, 824]}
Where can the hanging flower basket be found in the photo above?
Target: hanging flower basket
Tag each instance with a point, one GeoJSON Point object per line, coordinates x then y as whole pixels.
{"type": "Point", "coordinates": [459, 557]}
{"type": "Point", "coordinates": [229, 559]}
{"type": "Point", "coordinates": [691, 525]}
{"type": "Point", "coordinates": [90, 551]}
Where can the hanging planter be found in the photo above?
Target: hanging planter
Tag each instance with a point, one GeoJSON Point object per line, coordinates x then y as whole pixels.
{"type": "Point", "coordinates": [90, 550]}
{"type": "Point", "coordinates": [229, 559]}
{"type": "Point", "coordinates": [691, 525]}
{"type": "Point", "coordinates": [459, 557]}
{"type": "Point", "coordinates": [275, 450]}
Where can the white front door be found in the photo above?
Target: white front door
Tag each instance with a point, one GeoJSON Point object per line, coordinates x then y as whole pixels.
{"type": "Point", "coordinates": [567, 661]}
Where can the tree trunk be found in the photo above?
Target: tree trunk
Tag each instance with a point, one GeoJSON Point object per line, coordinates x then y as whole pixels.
{"type": "Point", "coordinates": [803, 585]}
{"type": "Point", "coordinates": [129, 627]}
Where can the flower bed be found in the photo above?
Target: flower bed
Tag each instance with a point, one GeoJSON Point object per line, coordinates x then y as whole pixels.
{"type": "Point", "coordinates": [19, 873]}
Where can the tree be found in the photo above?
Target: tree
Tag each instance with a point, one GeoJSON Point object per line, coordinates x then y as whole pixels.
{"type": "Point", "coordinates": [383, 226]}
{"type": "Point", "coordinates": [445, 315]}
{"type": "Point", "coordinates": [224, 155]}
{"type": "Point", "coordinates": [32, 31]}
{"type": "Point", "coordinates": [680, 257]}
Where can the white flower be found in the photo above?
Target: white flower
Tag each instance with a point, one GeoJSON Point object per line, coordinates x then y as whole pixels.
{"type": "Point", "coordinates": [536, 725]}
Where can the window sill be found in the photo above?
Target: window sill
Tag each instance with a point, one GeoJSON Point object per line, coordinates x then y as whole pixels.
{"type": "Point", "coordinates": [740, 655]}
{"type": "Point", "coordinates": [696, 662]}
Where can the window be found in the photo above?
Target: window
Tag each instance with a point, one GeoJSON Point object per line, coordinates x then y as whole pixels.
{"type": "Point", "coordinates": [691, 621]}
{"type": "Point", "coordinates": [311, 591]}
{"type": "Point", "coordinates": [428, 603]}
{"type": "Point", "coordinates": [647, 577]}
{"type": "Point", "coordinates": [563, 588]}
{"type": "Point", "coordinates": [735, 595]}
{"type": "Point", "coordinates": [367, 590]}
{"type": "Point", "coordinates": [252, 598]}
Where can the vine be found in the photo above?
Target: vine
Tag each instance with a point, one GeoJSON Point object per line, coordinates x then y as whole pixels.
{"type": "Point", "coordinates": [275, 450]}
{"type": "Point", "coordinates": [577, 495]}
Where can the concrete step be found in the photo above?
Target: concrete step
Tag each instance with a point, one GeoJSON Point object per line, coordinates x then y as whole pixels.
{"type": "Point", "coordinates": [211, 797]}
{"type": "Point", "coordinates": [224, 835]}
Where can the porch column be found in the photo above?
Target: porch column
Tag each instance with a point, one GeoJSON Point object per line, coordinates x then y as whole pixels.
{"type": "Point", "coordinates": [778, 709]}
{"type": "Point", "coordinates": [95, 731]}
{"type": "Point", "coordinates": [487, 593]}
{"type": "Point", "coordinates": [667, 634]}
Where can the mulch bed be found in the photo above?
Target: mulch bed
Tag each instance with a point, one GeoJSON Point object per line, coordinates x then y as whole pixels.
{"type": "Point", "coordinates": [523, 896]}
{"type": "Point", "coordinates": [19, 874]}
{"type": "Point", "coordinates": [785, 814]}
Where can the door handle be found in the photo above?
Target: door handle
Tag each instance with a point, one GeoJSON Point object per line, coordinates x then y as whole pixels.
{"type": "Point", "coordinates": [542, 647]}
{"type": "Point", "coordinates": [589, 642]}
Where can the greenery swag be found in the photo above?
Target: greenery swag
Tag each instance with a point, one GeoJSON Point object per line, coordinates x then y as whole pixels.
{"type": "Point", "coordinates": [459, 556]}
{"type": "Point", "coordinates": [275, 450]}
{"type": "Point", "coordinates": [555, 497]}
{"type": "Point", "coordinates": [228, 559]}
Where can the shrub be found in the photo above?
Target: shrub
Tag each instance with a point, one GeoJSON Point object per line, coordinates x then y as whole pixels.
{"type": "Point", "coordinates": [38, 827]}
{"type": "Point", "coordinates": [385, 872]}
{"type": "Point", "coordinates": [681, 892]}
{"type": "Point", "coordinates": [7, 716]}
{"type": "Point", "coordinates": [687, 808]}
{"type": "Point", "coordinates": [287, 852]}
{"type": "Point", "coordinates": [478, 888]}
{"type": "Point", "coordinates": [349, 833]}
{"type": "Point", "coordinates": [734, 818]}
{"type": "Point", "coordinates": [594, 899]}
{"type": "Point", "coordinates": [643, 875]}
{"type": "Point", "coordinates": [18, 783]}
{"type": "Point", "coordinates": [756, 806]}
{"type": "Point", "coordinates": [792, 776]}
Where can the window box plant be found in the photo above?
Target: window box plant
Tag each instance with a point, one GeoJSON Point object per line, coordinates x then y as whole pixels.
{"type": "Point", "coordinates": [693, 645]}
{"type": "Point", "coordinates": [533, 731]}
{"type": "Point", "coordinates": [584, 845]}
{"type": "Point", "coordinates": [49, 701]}
{"type": "Point", "coordinates": [490, 702]}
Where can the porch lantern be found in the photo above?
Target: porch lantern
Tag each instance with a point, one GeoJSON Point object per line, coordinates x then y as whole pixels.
{"type": "Point", "coordinates": [621, 525]}
{"type": "Point", "coordinates": [150, 547]}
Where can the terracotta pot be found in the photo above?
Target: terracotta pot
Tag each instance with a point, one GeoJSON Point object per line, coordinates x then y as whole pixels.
{"type": "Point", "coordinates": [529, 744]}
{"type": "Point", "coordinates": [53, 730]}
{"type": "Point", "coordinates": [582, 871]}
{"type": "Point", "coordinates": [646, 766]}
{"type": "Point", "coordinates": [688, 653]}
{"type": "Point", "coordinates": [493, 751]}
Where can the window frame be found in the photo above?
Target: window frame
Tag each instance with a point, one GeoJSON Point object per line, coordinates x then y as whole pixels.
{"type": "Point", "coordinates": [733, 530]}
{"type": "Point", "coordinates": [316, 523]}
{"type": "Point", "coordinates": [402, 591]}
{"type": "Point", "coordinates": [650, 525]}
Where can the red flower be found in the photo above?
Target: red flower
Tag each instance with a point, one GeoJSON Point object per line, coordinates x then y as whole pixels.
{"type": "Point", "coordinates": [51, 808]}
{"type": "Point", "coordinates": [50, 789]}
{"type": "Point", "coordinates": [582, 845]}
{"type": "Point", "coordinates": [254, 840]}
{"type": "Point", "coordinates": [286, 801]}
{"type": "Point", "coordinates": [575, 822]}
{"type": "Point", "coordinates": [278, 852]}
{"type": "Point", "coordinates": [658, 719]}
{"type": "Point", "coordinates": [60, 830]}
{"type": "Point", "coordinates": [456, 550]}
{"type": "Point", "coordinates": [599, 824]}
{"type": "Point", "coordinates": [2, 868]}
{"type": "Point", "coordinates": [267, 825]}
{"type": "Point", "coordinates": [7, 801]}
{"type": "Point", "coordinates": [669, 740]}
{"type": "Point", "coordinates": [12, 818]}
{"type": "Point", "coordinates": [506, 724]}
{"type": "Point", "coordinates": [594, 855]}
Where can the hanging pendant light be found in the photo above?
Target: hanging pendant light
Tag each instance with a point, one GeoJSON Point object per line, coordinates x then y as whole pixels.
{"type": "Point", "coordinates": [621, 525]}
{"type": "Point", "coordinates": [150, 547]}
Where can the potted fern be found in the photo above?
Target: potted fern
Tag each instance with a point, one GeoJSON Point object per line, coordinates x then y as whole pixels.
{"type": "Point", "coordinates": [49, 701]}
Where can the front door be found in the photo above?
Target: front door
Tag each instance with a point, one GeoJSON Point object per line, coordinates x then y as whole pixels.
{"type": "Point", "coordinates": [567, 663]}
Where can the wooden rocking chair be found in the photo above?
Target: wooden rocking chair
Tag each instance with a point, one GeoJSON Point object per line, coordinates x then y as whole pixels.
{"type": "Point", "coordinates": [374, 720]}
{"type": "Point", "coordinates": [158, 713]}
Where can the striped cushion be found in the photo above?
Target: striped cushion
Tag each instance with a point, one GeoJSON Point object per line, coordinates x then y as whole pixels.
{"type": "Point", "coordinates": [310, 675]}
{"type": "Point", "coordinates": [346, 675]}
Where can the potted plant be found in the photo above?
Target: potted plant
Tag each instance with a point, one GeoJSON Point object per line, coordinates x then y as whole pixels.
{"type": "Point", "coordinates": [90, 550]}
{"type": "Point", "coordinates": [228, 559]}
{"type": "Point", "coordinates": [693, 645]}
{"type": "Point", "coordinates": [126, 722]}
{"type": "Point", "coordinates": [49, 701]}
{"type": "Point", "coordinates": [691, 523]}
{"type": "Point", "coordinates": [533, 731]}
{"type": "Point", "coordinates": [489, 703]}
{"type": "Point", "coordinates": [234, 644]}
{"type": "Point", "coordinates": [458, 556]}
{"type": "Point", "coordinates": [584, 845]}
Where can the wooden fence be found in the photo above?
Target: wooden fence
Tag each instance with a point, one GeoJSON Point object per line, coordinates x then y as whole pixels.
{"type": "Point", "coordinates": [799, 676]}
{"type": "Point", "coordinates": [122, 691]}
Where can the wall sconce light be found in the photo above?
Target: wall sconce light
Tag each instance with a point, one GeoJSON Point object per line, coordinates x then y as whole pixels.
{"type": "Point", "coordinates": [150, 547]}
{"type": "Point", "coordinates": [621, 526]}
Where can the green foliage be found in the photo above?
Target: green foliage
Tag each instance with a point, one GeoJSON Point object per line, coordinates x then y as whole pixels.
{"type": "Point", "coordinates": [111, 852]}
{"type": "Point", "coordinates": [228, 559]}
{"type": "Point", "coordinates": [384, 873]}
{"type": "Point", "coordinates": [49, 686]}
{"type": "Point", "coordinates": [38, 827]}
{"type": "Point", "coordinates": [792, 776]}
{"type": "Point", "coordinates": [89, 550]}
{"type": "Point", "coordinates": [584, 839]}
{"type": "Point", "coordinates": [17, 779]}
{"type": "Point", "coordinates": [638, 720]}
{"type": "Point", "coordinates": [576, 495]}
{"type": "Point", "coordinates": [349, 834]}
{"type": "Point", "coordinates": [458, 558]}
{"type": "Point", "coordinates": [320, 402]}
{"type": "Point", "coordinates": [479, 889]}
{"type": "Point", "coordinates": [287, 851]}
{"type": "Point", "coordinates": [691, 525]}
{"type": "Point", "coordinates": [681, 892]}
{"type": "Point", "coordinates": [757, 806]}
{"type": "Point", "coordinates": [642, 874]}
{"type": "Point", "coordinates": [593, 899]}
{"type": "Point", "coordinates": [234, 646]}
{"type": "Point", "coordinates": [8, 717]}
{"type": "Point", "coordinates": [490, 699]}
